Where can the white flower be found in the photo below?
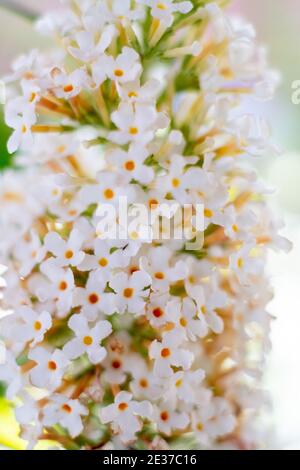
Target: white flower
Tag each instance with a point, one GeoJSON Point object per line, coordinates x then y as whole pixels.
{"type": "Point", "coordinates": [27, 415]}
{"type": "Point", "coordinates": [124, 414]}
{"type": "Point", "coordinates": [61, 287]}
{"type": "Point", "coordinates": [207, 303]}
{"type": "Point", "coordinates": [10, 374]}
{"type": "Point", "coordinates": [67, 253]}
{"type": "Point", "coordinates": [245, 264]}
{"type": "Point", "coordinates": [156, 309]}
{"type": "Point", "coordinates": [145, 385]}
{"type": "Point", "coordinates": [108, 190]}
{"type": "Point", "coordinates": [30, 325]}
{"type": "Point", "coordinates": [68, 85]}
{"type": "Point", "coordinates": [49, 369]}
{"type": "Point", "coordinates": [157, 264]}
{"type": "Point", "coordinates": [61, 410]}
{"type": "Point", "coordinates": [213, 420]}
{"type": "Point", "coordinates": [29, 252]}
{"type": "Point", "coordinates": [120, 10]}
{"type": "Point", "coordinates": [134, 92]}
{"type": "Point", "coordinates": [136, 125]}
{"type": "Point", "coordinates": [89, 48]}
{"type": "Point", "coordinates": [131, 291]}
{"type": "Point", "coordinates": [168, 420]}
{"type": "Point", "coordinates": [185, 386]}
{"type": "Point", "coordinates": [183, 314]}
{"type": "Point", "coordinates": [131, 164]}
{"type": "Point", "coordinates": [87, 339]}
{"type": "Point", "coordinates": [94, 298]}
{"type": "Point", "coordinates": [178, 180]}
{"type": "Point", "coordinates": [125, 68]}
{"type": "Point", "coordinates": [167, 354]}
{"type": "Point", "coordinates": [164, 10]}
{"type": "Point", "coordinates": [20, 116]}
{"type": "Point", "coordinates": [105, 259]}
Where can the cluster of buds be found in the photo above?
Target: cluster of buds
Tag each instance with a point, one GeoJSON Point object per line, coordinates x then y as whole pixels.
{"type": "Point", "coordinates": [141, 341]}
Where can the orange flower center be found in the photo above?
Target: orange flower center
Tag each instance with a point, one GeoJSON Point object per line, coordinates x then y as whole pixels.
{"type": "Point", "coordinates": [116, 364]}
{"type": "Point", "coordinates": [144, 383]}
{"type": "Point", "coordinates": [128, 292]}
{"type": "Point", "coordinates": [68, 88]}
{"type": "Point", "coordinates": [109, 194]}
{"type": "Point", "coordinates": [66, 408]}
{"type": "Point", "coordinates": [119, 73]}
{"type": "Point", "coordinates": [164, 416]}
{"type": "Point", "coordinates": [130, 165]}
{"type": "Point", "coordinates": [52, 365]}
{"type": "Point", "coordinates": [165, 352]}
{"type": "Point", "coordinates": [93, 299]}
{"type": "Point", "coordinates": [63, 285]}
{"type": "Point", "coordinates": [160, 276]}
{"type": "Point", "coordinates": [69, 254]}
{"type": "Point", "coordinates": [153, 203]}
{"type": "Point", "coordinates": [158, 312]}
{"type": "Point", "coordinates": [123, 406]}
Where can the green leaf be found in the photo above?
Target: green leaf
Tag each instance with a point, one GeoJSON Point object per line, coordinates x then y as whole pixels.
{"type": "Point", "coordinates": [5, 158]}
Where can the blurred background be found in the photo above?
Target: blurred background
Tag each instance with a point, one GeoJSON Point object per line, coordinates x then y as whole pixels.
{"type": "Point", "coordinates": [278, 24]}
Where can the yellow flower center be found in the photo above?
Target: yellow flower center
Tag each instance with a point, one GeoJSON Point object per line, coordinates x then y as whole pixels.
{"type": "Point", "coordinates": [176, 182]}
{"type": "Point", "coordinates": [208, 213]}
{"type": "Point", "coordinates": [87, 340]}
{"type": "Point", "coordinates": [119, 73]}
{"type": "Point", "coordinates": [133, 131]}
{"type": "Point", "coordinates": [103, 262]}
{"type": "Point", "coordinates": [37, 326]}
{"type": "Point", "coordinates": [32, 97]}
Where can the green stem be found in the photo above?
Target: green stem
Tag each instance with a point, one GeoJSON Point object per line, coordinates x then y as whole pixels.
{"type": "Point", "coordinates": [19, 10]}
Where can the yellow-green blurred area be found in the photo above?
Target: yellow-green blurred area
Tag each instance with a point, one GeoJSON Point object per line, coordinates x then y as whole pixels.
{"type": "Point", "coordinates": [278, 25]}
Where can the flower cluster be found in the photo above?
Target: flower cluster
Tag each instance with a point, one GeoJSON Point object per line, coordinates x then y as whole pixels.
{"type": "Point", "coordinates": [138, 342]}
